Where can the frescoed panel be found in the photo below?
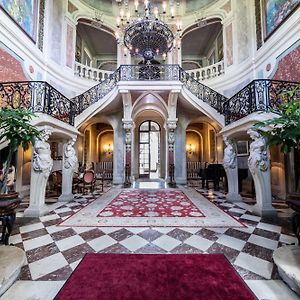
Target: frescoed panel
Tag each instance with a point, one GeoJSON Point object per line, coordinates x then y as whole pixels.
{"type": "Point", "coordinates": [24, 13]}
{"type": "Point", "coordinates": [275, 12]}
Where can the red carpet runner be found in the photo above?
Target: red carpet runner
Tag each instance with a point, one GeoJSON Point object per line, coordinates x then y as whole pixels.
{"type": "Point", "coordinates": [155, 277]}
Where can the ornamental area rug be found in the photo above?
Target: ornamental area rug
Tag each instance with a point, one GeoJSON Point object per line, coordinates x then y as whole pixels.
{"type": "Point", "coordinates": [155, 277]}
{"type": "Point", "coordinates": [182, 207]}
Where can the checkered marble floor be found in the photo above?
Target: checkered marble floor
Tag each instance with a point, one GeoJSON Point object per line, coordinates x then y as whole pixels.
{"type": "Point", "coordinates": [53, 252]}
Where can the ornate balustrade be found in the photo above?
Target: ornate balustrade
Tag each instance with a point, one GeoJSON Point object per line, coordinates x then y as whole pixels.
{"type": "Point", "coordinates": [39, 97]}
{"type": "Point", "coordinates": [258, 95]}
{"type": "Point", "coordinates": [96, 93]}
{"type": "Point", "coordinates": [91, 73]}
{"type": "Point", "coordinates": [208, 72]}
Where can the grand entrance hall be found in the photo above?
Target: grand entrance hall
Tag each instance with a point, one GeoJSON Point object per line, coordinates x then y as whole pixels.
{"type": "Point", "coordinates": [149, 149]}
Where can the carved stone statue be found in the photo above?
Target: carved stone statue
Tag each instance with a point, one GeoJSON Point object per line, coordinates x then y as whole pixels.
{"type": "Point", "coordinates": [42, 161]}
{"type": "Point", "coordinates": [258, 158]}
{"type": "Point", "coordinates": [70, 155]}
{"type": "Point", "coordinates": [229, 161]}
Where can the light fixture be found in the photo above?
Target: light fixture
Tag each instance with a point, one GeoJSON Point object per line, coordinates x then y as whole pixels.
{"type": "Point", "coordinates": [108, 149]}
{"type": "Point", "coordinates": [190, 149]}
{"type": "Point", "coordinates": [144, 31]}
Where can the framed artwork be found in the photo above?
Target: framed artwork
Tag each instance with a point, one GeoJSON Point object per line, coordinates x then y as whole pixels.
{"type": "Point", "coordinates": [275, 12]}
{"type": "Point", "coordinates": [242, 148]}
{"type": "Point", "coordinates": [24, 13]}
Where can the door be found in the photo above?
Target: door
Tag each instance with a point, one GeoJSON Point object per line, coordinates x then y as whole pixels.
{"type": "Point", "coordinates": [149, 150]}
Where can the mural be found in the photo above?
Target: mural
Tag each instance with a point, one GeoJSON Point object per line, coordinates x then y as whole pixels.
{"type": "Point", "coordinates": [24, 13]}
{"type": "Point", "coordinates": [276, 11]}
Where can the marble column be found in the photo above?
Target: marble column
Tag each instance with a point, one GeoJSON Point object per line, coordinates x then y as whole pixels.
{"type": "Point", "coordinates": [259, 166]}
{"type": "Point", "coordinates": [40, 170]}
{"type": "Point", "coordinates": [127, 125]}
{"type": "Point", "coordinates": [171, 126]}
{"type": "Point", "coordinates": [231, 169]}
{"type": "Point", "coordinates": [69, 164]}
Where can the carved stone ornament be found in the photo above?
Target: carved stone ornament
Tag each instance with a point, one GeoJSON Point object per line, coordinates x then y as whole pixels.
{"type": "Point", "coordinates": [70, 159]}
{"type": "Point", "coordinates": [229, 161]}
{"type": "Point", "coordinates": [258, 158]}
{"type": "Point", "coordinates": [128, 134]}
{"type": "Point", "coordinates": [42, 161]}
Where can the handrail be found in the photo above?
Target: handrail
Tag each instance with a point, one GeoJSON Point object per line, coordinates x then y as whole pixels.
{"type": "Point", "coordinates": [208, 72]}
{"type": "Point", "coordinates": [259, 95]}
{"type": "Point", "coordinates": [39, 97]}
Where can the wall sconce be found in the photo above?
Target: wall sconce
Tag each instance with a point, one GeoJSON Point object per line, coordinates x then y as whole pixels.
{"type": "Point", "coordinates": [108, 149]}
{"type": "Point", "coordinates": [190, 149]}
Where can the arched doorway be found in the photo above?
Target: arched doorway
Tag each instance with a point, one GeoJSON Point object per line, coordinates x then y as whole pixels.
{"type": "Point", "coordinates": [149, 150]}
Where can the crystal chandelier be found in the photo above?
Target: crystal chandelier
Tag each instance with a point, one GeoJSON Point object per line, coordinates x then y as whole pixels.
{"type": "Point", "coordinates": [146, 34]}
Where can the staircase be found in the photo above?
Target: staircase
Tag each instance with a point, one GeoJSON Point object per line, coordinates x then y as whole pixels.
{"type": "Point", "coordinates": [262, 95]}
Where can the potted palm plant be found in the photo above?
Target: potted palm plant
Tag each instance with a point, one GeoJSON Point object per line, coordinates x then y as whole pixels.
{"type": "Point", "coordinates": [15, 130]}
{"type": "Point", "coordinates": [285, 132]}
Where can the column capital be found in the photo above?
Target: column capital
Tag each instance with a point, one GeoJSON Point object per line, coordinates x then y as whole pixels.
{"type": "Point", "coordinates": [172, 124]}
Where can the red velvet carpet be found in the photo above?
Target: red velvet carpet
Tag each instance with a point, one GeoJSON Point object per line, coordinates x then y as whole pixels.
{"type": "Point", "coordinates": [155, 277]}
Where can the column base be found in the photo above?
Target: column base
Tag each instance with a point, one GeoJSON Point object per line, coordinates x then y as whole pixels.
{"type": "Point", "coordinates": [234, 197]}
{"type": "Point", "coordinates": [65, 197]}
{"type": "Point", "coordinates": [264, 212]}
{"type": "Point", "coordinates": [36, 211]}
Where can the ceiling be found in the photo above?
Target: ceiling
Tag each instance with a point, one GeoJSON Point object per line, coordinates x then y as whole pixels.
{"type": "Point", "coordinates": [111, 6]}
{"type": "Point", "coordinates": [99, 41]}
{"type": "Point", "coordinates": [198, 41]}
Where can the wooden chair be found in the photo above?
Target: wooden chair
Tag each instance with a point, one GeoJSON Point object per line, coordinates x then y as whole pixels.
{"type": "Point", "coordinates": [88, 181]}
{"type": "Point", "coordinates": [57, 181]}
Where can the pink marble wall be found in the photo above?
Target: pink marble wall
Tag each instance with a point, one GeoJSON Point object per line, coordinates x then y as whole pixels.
{"type": "Point", "coordinates": [10, 68]}
{"type": "Point", "coordinates": [289, 67]}
{"type": "Point", "coordinates": [69, 48]}
{"type": "Point", "coordinates": [229, 45]}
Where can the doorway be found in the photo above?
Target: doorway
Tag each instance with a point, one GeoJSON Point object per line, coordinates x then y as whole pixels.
{"type": "Point", "coordinates": [149, 150]}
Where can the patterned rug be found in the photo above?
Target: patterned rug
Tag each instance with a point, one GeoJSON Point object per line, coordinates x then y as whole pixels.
{"type": "Point", "coordinates": [155, 208]}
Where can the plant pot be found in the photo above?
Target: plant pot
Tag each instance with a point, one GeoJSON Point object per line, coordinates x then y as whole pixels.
{"type": "Point", "coordinates": [8, 203]}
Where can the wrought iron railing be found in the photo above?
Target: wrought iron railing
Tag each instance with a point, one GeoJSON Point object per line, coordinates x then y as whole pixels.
{"type": "Point", "coordinates": [258, 95]}
{"type": "Point", "coordinates": [39, 97]}
{"type": "Point", "coordinates": [96, 93]}
{"type": "Point", "coordinates": [203, 92]}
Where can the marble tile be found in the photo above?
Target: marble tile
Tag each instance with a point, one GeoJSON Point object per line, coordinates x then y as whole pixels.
{"type": "Point", "coordinates": [34, 234]}
{"type": "Point", "coordinates": [264, 242]}
{"type": "Point", "coordinates": [179, 234]}
{"type": "Point", "coordinates": [133, 243]}
{"type": "Point", "coordinates": [270, 227]}
{"type": "Point", "coordinates": [62, 234]}
{"type": "Point", "coordinates": [91, 234]}
{"type": "Point", "coordinates": [166, 242]}
{"type": "Point", "coordinates": [82, 229]}
{"type": "Point", "coordinates": [150, 249]}
{"type": "Point", "coordinates": [31, 227]}
{"type": "Point", "coordinates": [150, 234]}
{"type": "Point", "coordinates": [136, 230]}
{"type": "Point", "coordinates": [208, 234]}
{"type": "Point", "coordinates": [77, 252]}
{"type": "Point", "coordinates": [121, 234]}
{"type": "Point", "coordinates": [53, 228]}
{"type": "Point", "coordinates": [230, 253]}
{"type": "Point", "coordinates": [15, 239]}
{"type": "Point", "coordinates": [255, 265]}
{"type": "Point", "coordinates": [47, 265]}
{"type": "Point", "coordinates": [271, 290]}
{"type": "Point", "coordinates": [69, 242]}
{"type": "Point", "coordinates": [198, 242]}
{"type": "Point", "coordinates": [250, 218]}
{"type": "Point", "coordinates": [163, 230]}
{"type": "Point", "coordinates": [74, 264]}
{"type": "Point", "coordinates": [116, 248]}
{"type": "Point", "coordinates": [108, 230]}
{"type": "Point", "coordinates": [287, 239]}
{"type": "Point", "coordinates": [61, 274]}
{"type": "Point", "coordinates": [259, 251]}
{"type": "Point", "coordinates": [33, 290]}
{"type": "Point", "coordinates": [101, 242]}
{"type": "Point", "coordinates": [41, 252]}
{"type": "Point", "coordinates": [49, 217]}
{"type": "Point", "coordinates": [231, 242]}
{"type": "Point", "coordinates": [186, 249]}
{"type": "Point", "coordinates": [37, 242]}
{"type": "Point", "coordinates": [238, 234]}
